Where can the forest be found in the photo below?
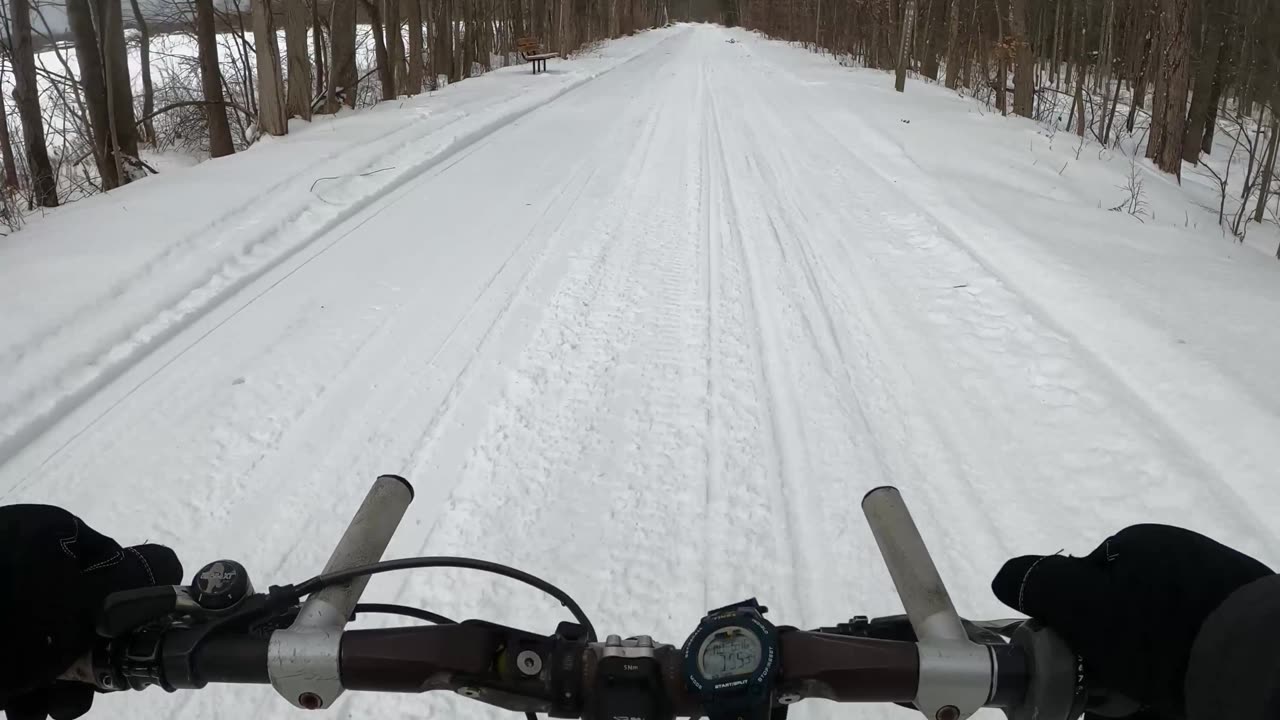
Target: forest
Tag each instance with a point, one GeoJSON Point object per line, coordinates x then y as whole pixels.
{"type": "Point", "coordinates": [1172, 79]}
{"type": "Point", "coordinates": [229, 72]}
{"type": "Point", "coordinates": [1166, 77]}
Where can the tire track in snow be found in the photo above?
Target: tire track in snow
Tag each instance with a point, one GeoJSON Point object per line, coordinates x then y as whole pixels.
{"type": "Point", "coordinates": [712, 505]}
{"type": "Point", "coordinates": [597, 403]}
{"type": "Point", "coordinates": [50, 402]}
{"type": "Point", "coordinates": [781, 417]}
{"type": "Point", "coordinates": [933, 221]}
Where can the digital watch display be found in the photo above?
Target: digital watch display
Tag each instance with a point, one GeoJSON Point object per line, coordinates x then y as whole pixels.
{"type": "Point", "coordinates": [731, 661]}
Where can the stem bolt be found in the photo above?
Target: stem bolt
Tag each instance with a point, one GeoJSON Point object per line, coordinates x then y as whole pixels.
{"type": "Point", "coordinates": [529, 662]}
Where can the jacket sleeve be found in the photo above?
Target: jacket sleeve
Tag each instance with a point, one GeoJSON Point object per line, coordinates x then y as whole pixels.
{"type": "Point", "coordinates": [1234, 670]}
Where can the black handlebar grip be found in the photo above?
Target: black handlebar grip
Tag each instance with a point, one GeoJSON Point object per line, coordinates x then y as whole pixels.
{"type": "Point", "coordinates": [230, 659]}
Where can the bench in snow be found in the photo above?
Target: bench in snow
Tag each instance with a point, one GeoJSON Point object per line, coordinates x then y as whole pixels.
{"type": "Point", "coordinates": [532, 51]}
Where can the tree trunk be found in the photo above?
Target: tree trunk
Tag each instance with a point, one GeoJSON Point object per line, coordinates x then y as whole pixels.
{"type": "Point", "coordinates": [144, 59]}
{"type": "Point", "coordinates": [298, 99]}
{"type": "Point", "coordinates": [1268, 169]}
{"type": "Point", "coordinates": [395, 44]}
{"type": "Point", "coordinates": [1105, 60]}
{"type": "Point", "coordinates": [1024, 60]}
{"type": "Point", "coordinates": [119, 86]}
{"type": "Point", "coordinates": [1078, 44]}
{"type": "Point", "coordinates": [317, 48]}
{"type": "Point", "coordinates": [413, 83]}
{"type": "Point", "coordinates": [80, 20]}
{"type": "Point", "coordinates": [904, 44]}
{"type": "Point", "coordinates": [1211, 118]}
{"type": "Point", "coordinates": [1001, 86]}
{"type": "Point", "coordinates": [1139, 95]}
{"type": "Point", "coordinates": [26, 95]}
{"type": "Point", "coordinates": [342, 55]}
{"type": "Point", "coordinates": [6, 149]}
{"type": "Point", "coordinates": [1111, 111]}
{"type": "Point", "coordinates": [385, 77]}
{"type": "Point", "coordinates": [1175, 20]}
{"type": "Point", "coordinates": [1073, 51]}
{"type": "Point", "coordinates": [1211, 58]}
{"type": "Point", "coordinates": [932, 39]}
{"type": "Point", "coordinates": [271, 110]}
{"type": "Point", "coordinates": [953, 45]}
{"type": "Point", "coordinates": [211, 81]}
{"type": "Point", "coordinates": [1155, 140]}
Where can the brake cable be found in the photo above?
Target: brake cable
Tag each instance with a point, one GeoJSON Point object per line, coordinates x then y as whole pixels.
{"type": "Point", "coordinates": [407, 611]}
{"type": "Point", "coordinates": [320, 582]}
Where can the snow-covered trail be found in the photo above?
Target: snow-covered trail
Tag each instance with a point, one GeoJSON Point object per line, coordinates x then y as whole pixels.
{"type": "Point", "coordinates": [687, 325]}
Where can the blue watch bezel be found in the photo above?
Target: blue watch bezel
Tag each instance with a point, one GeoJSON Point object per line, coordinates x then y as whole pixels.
{"type": "Point", "coordinates": [735, 692]}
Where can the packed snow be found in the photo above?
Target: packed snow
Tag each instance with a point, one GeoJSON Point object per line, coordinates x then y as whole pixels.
{"type": "Point", "coordinates": [648, 325]}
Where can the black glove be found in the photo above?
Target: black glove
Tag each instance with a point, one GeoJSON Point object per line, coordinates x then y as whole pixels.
{"type": "Point", "coordinates": [1132, 608]}
{"type": "Point", "coordinates": [54, 574]}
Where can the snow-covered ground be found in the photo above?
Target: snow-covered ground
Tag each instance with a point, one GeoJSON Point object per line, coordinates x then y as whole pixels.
{"type": "Point", "coordinates": [649, 326]}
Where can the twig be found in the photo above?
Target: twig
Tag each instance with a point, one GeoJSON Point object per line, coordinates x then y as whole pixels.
{"type": "Point", "coordinates": [339, 177]}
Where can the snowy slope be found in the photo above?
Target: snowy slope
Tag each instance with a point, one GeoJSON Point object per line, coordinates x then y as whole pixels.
{"type": "Point", "coordinates": [651, 337]}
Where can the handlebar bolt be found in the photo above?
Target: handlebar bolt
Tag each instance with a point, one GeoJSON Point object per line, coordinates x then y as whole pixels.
{"type": "Point", "coordinates": [469, 692]}
{"type": "Point", "coordinates": [948, 712]}
{"type": "Point", "coordinates": [529, 662]}
{"type": "Point", "coordinates": [789, 698]}
{"type": "Point", "coordinates": [310, 701]}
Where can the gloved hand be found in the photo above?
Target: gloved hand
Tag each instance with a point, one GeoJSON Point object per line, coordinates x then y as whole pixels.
{"type": "Point", "coordinates": [54, 574]}
{"type": "Point", "coordinates": [1132, 608]}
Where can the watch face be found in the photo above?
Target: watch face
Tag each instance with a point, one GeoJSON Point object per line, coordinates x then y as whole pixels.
{"type": "Point", "coordinates": [729, 652]}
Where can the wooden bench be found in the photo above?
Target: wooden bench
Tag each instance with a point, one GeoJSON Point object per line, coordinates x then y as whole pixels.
{"type": "Point", "coordinates": [532, 51]}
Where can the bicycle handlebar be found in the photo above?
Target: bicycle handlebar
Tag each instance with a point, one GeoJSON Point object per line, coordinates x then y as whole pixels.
{"type": "Point", "coordinates": [526, 672]}
{"type": "Point", "coordinates": [944, 666]}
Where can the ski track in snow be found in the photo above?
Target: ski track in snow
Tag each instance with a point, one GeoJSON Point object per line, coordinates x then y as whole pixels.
{"type": "Point", "coordinates": [694, 323]}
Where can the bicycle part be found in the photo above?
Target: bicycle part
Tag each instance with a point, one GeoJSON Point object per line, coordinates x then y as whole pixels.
{"type": "Point", "coordinates": [955, 672]}
{"type": "Point", "coordinates": [415, 563]}
{"type": "Point", "coordinates": [405, 610]}
{"type": "Point", "coordinates": [303, 661]}
{"type": "Point", "coordinates": [221, 585]}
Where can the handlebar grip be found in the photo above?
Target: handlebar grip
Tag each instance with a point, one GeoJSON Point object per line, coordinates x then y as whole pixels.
{"type": "Point", "coordinates": [231, 659]}
{"type": "Point", "coordinates": [363, 543]}
{"type": "Point", "coordinates": [923, 594]}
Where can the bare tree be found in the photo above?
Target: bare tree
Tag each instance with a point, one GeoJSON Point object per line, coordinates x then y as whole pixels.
{"type": "Point", "coordinates": [102, 58]}
{"type": "Point", "coordinates": [1268, 167]}
{"type": "Point", "coordinates": [1023, 60]}
{"type": "Point", "coordinates": [395, 45]}
{"type": "Point", "coordinates": [953, 46]}
{"type": "Point", "coordinates": [92, 77]}
{"type": "Point", "coordinates": [6, 149]}
{"type": "Point", "coordinates": [211, 81]}
{"type": "Point", "coordinates": [386, 77]}
{"type": "Point", "coordinates": [317, 45]}
{"type": "Point", "coordinates": [144, 63]}
{"type": "Point", "coordinates": [296, 17]}
{"type": "Point", "coordinates": [271, 112]}
{"type": "Point", "coordinates": [115, 55]}
{"type": "Point", "coordinates": [413, 81]}
{"type": "Point", "coordinates": [1175, 72]}
{"type": "Point", "coordinates": [904, 44]}
{"type": "Point", "coordinates": [1212, 58]}
{"type": "Point", "coordinates": [26, 96]}
{"type": "Point", "coordinates": [342, 55]}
